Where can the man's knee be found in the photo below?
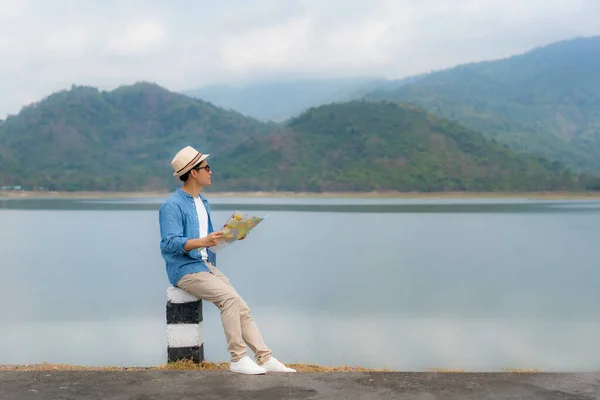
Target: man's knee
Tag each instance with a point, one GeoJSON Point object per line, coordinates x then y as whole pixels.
{"type": "Point", "coordinates": [244, 309]}
{"type": "Point", "coordinates": [232, 301]}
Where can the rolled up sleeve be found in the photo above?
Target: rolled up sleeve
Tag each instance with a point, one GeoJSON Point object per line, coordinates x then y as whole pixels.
{"type": "Point", "coordinates": [171, 229]}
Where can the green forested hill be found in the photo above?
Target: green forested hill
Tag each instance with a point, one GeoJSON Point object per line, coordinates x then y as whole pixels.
{"type": "Point", "coordinates": [546, 101]}
{"type": "Point", "coordinates": [118, 140]}
{"type": "Point", "coordinates": [85, 139]}
{"type": "Point", "coordinates": [357, 146]}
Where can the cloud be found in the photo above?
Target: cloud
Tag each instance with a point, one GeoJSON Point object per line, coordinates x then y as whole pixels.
{"type": "Point", "coordinates": [138, 38]}
{"type": "Point", "coordinates": [48, 45]}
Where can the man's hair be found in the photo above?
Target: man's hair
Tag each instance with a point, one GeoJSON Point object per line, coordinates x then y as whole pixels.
{"type": "Point", "coordinates": [186, 176]}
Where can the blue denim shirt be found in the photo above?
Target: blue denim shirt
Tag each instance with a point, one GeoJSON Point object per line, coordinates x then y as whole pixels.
{"type": "Point", "coordinates": [178, 221]}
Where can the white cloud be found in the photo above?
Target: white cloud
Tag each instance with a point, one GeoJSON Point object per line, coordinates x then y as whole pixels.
{"type": "Point", "coordinates": [138, 38]}
{"type": "Point", "coordinates": [48, 45]}
{"type": "Point", "coordinates": [270, 47]}
{"type": "Point", "coordinates": [70, 42]}
{"type": "Point", "coordinates": [11, 9]}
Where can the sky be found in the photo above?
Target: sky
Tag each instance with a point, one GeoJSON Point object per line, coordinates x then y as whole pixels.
{"type": "Point", "coordinates": [49, 45]}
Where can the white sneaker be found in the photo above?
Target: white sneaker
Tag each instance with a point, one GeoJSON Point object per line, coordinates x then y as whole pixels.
{"type": "Point", "coordinates": [247, 366]}
{"type": "Point", "coordinates": [273, 365]}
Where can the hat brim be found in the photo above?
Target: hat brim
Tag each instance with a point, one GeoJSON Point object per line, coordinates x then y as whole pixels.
{"type": "Point", "coordinates": [189, 167]}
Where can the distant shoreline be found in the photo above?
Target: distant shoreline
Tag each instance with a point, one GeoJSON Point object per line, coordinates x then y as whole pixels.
{"type": "Point", "coordinates": [406, 195]}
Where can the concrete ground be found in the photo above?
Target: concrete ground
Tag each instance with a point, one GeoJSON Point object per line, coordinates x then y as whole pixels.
{"type": "Point", "coordinates": [167, 385]}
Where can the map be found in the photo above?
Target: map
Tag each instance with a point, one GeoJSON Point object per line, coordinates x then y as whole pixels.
{"type": "Point", "coordinates": [236, 227]}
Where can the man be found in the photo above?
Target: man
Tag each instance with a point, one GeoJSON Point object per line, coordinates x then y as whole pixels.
{"type": "Point", "coordinates": [186, 234]}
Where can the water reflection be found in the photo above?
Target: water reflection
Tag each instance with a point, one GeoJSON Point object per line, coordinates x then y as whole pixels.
{"type": "Point", "coordinates": [380, 341]}
{"type": "Point", "coordinates": [472, 286]}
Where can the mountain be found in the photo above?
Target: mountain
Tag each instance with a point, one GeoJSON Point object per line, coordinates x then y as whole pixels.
{"type": "Point", "coordinates": [545, 101]}
{"type": "Point", "coordinates": [365, 146]}
{"type": "Point", "coordinates": [284, 99]}
{"type": "Point", "coordinates": [124, 140]}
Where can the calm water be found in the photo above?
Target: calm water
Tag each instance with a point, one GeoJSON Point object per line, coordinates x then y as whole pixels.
{"type": "Point", "coordinates": [402, 284]}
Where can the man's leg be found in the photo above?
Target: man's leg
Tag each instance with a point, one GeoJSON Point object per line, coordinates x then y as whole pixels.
{"type": "Point", "coordinates": [207, 286]}
{"type": "Point", "coordinates": [250, 333]}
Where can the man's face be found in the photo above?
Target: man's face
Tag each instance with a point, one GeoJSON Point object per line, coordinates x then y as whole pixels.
{"type": "Point", "coordinates": [201, 174]}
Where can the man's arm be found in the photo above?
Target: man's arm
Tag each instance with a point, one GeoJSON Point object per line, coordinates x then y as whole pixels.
{"type": "Point", "coordinates": [171, 232]}
{"type": "Point", "coordinates": [171, 229]}
{"type": "Point", "coordinates": [206, 241]}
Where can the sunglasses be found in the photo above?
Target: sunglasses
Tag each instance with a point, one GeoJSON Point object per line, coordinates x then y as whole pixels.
{"type": "Point", "coordinates": [207, 167]}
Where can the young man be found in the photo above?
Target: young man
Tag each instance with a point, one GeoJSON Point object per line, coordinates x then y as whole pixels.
{"type": "Point", "coordinates": [186, 231]}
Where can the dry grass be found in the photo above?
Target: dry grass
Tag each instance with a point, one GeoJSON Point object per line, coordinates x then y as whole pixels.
{"type": "Point", "coordinates": [190, 365]}
{"type": "Point", "coordinates": [65, 367]}
{"type": "Point", "coordinates": [343, 368]}
{"type": "Point", "coordinates": [522, 370]}
{"type": "Point", "coordinates": [178, 366]}
{"type": "Point", "coordinates": [211, 366]}
{"type": "Point", "coordinates": [445, 370]}
{"type": "Point", "coordinates": [224, 366]}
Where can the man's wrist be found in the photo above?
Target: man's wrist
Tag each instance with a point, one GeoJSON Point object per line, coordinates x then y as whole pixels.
{"type": "Point", "coordinates": [193, 244]}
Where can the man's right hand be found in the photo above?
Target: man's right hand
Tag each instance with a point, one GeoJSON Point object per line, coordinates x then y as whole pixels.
{"type": "Point", "coordinates": [213, 238]}
{"type": "Point", "coordinates": [206, 241]}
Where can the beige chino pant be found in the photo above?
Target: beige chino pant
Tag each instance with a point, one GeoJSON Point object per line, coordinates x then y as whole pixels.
{"type": "Point", "coordinates": [237, 322]}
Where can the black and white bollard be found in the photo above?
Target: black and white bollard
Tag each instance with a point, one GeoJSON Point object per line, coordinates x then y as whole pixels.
{"type": "Point", "coordinates": [184, 326]}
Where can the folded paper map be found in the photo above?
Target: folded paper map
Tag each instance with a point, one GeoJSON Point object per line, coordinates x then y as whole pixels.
{"type": "Point", "coordinates": [236, 227]}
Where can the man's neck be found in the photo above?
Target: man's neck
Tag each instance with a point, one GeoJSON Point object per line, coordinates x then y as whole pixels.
{"type": "Point", "coordinates": [193, 190]}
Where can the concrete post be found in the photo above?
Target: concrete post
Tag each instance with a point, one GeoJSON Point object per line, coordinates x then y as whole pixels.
{"type": "Point", "coordinates": [184, 326]}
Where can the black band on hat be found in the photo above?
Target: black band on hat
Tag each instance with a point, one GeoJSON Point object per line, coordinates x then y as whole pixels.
{"type": "Point", "coordinates": [195, 159]}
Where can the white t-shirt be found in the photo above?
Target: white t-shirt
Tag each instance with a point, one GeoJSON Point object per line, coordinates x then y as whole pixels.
{"type": "Point", "coordinates": [203, 221]}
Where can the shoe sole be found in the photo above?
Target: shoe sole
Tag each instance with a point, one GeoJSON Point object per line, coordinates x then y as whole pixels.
{"type": "Point", "coordinates": [281, 372]}
{"type": "Point", "coordinates": [248, 373]}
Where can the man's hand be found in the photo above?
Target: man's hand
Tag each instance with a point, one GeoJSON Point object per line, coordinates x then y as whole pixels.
{"type": "Point", "coordinates": [243, 237]}
{"type": "Point", "coordinates": [213, 238]}
{"type": "Point", "coordinates": [206, 241]}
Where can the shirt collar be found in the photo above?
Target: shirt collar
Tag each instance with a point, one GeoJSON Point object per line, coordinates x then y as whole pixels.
{"type": "Point", "coordinates": [189, 196]}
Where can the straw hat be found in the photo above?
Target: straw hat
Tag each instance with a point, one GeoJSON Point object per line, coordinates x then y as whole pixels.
{"type": "Point", "coordinates": [186, 159]}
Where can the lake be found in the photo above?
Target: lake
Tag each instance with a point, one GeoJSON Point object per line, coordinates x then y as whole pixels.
{"type": "Point", "coordinates": [406, 284]}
